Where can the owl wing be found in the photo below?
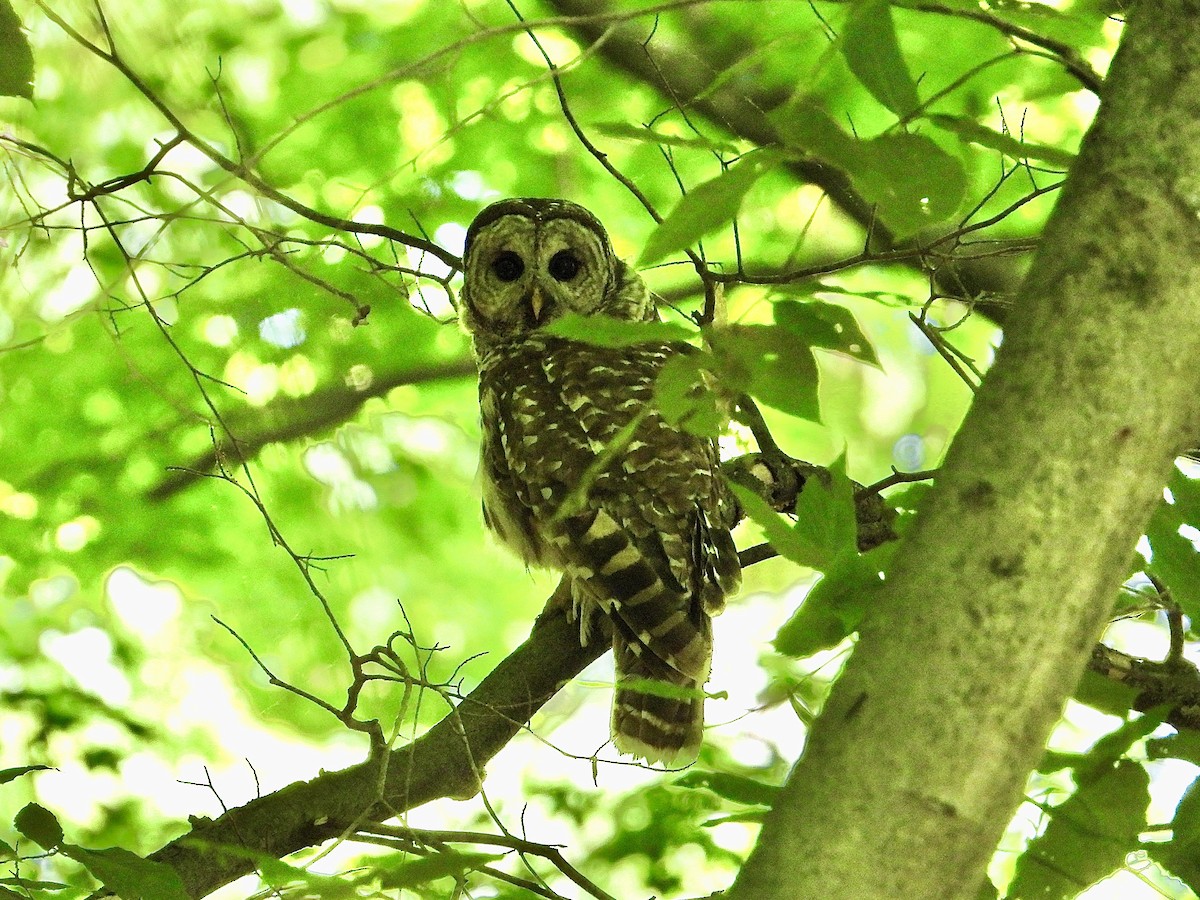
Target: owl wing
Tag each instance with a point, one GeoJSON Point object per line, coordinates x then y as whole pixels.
{"type": "Point", "coordinates": [598, 484]}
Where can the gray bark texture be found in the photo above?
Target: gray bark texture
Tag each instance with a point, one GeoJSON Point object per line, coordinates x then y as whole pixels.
{"type": "Point", "coordinates": [999, 592]}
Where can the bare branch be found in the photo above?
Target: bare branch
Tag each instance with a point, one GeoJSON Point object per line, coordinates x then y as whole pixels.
{"type": "Point", "coordinates": [287, 419]}
{"type": "Point", "coordinates": [418, 837]}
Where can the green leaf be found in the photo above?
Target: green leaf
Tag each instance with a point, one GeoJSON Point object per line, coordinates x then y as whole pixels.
{"type": "Point", "coordinates": [825, 517]}
{"type": "Point", "coordinates": [1112, 747]}
{"type": "Point", "coordinates": [129, 875]}
{"type": "Point", "coordinates": [1181, 856]}
{"type": "Point", "coordinates": [737, 788]}
{"type": "Point", "coordinates": [684, 397]}
{"type": "Point", "coordinates": [1104, 694]}
{"type": "Point", "coordinates": [1107, 751]}
{"type": "Point", "coordinates": [774, 364]}
{"type": "Point", "coordinates": [778, 531]}
{"type": "Point", "coordinates": [1088, 836]}
{"type": "Point", "coordinates": [39, 825]}
{"type": "Point", "coordinates": [805, 125]}
{"type": "Point", "coordinates": [825, 530]}
{"type": "Point", "coordinates": [605, 331]}
{"type": "Point", "coordinates": [823, 620]}
{"type": "Point", "coordinates": [707, 207]}
{"type": "Point", "coordinates": [279, 874]}
{"type": "Point", "coordinates": [442, 865]}
{"type": "Point", "coordinates": [7, 775]}
{"type": "Point", "coordinates": [834, 608]}
{"type": "Point", "coordinates": [16, 59]}
{"type": "Point", "coordinates": [872, 52]}
{"type": "Point", "coordinates": [1183, 745]}
{"type": "Point", "coordinates": [970, 131]}
{"type": "Point", "coordinates": [35, 885]}
{"type": "Point", "coordinates": [1175, 560]}
{"type": "Point", "coordinates": [826, 325]}
{"type": "Point", "coordinates": [1056, 760]}
{"type": "Point", "coordinates": [650, 136]}
{"type": "Point", "coordinates": [913, 182]}
{"type": "Point", "coordinates": [826, 533]}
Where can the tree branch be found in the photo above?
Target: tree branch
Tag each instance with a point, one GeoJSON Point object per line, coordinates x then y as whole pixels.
{"type": "Point", "coordinates": [287, 418]}
{"type": "Point", "coordinates": [1174, 683]}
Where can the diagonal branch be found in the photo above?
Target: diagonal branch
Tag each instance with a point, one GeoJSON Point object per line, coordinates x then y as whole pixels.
{"type": "Point", "coordinates": [286, 419]}
{"type": "Point", "coordinates": [449, 759]}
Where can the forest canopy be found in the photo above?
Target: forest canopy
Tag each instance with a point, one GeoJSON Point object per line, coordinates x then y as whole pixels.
{"type": "Point", "coordinates": [256, 638]}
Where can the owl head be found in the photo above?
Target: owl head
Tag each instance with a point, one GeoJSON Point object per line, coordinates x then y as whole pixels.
{"type": "Point", "coordinates": [528, 261]}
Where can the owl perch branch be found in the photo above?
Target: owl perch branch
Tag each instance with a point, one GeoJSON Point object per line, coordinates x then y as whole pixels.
{"type": "Point", "coordinates": [1174, 683]}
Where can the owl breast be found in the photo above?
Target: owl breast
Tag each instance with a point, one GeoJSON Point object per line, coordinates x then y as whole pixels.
{"type": "Point", "coordinates": [564, 423]}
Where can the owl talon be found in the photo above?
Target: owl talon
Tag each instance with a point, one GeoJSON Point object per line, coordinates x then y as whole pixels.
{"type": "Point", "coordinates": [583, 611]}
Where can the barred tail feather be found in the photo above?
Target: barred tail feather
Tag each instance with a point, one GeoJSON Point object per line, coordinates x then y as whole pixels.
{"type": "Point", "coordinates": [657, 713]}
{"type": "Point", "coordinates": [662, 636]}
{"type": "Point", "coordinates": [655, 617]}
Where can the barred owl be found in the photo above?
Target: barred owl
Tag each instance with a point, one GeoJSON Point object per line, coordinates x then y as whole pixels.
{"type": "Point", "coordinates": [582, 474]}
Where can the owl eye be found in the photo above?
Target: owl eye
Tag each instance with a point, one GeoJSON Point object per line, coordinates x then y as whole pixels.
{"type": "Point", "coordinates": [564, 265]}
{"type": "Point", "coordinates": [508, 266]}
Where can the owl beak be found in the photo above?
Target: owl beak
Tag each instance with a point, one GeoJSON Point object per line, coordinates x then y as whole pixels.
{"type": "Point", "coordinates": [536, 302]}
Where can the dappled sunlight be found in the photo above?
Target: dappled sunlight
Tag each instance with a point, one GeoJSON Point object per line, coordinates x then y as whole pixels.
{"type": "Point", "coordinates": [241, 537]}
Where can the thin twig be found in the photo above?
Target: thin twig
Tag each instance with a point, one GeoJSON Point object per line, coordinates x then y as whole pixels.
{"type": "Point", "coordinates": [897, 477]}
{"type": "Point", "coordinates": [545, 851]}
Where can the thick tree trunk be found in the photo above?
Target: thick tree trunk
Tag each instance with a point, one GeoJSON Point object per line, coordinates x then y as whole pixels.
{"type": "Point", "coordinates": [998, 594]}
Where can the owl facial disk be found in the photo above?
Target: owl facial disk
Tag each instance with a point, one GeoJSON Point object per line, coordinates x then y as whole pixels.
{"type": "Point", "coordinates": [531, 261]}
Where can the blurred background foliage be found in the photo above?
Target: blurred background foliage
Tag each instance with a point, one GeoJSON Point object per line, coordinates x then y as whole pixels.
{"type": "Point", "coordinates": [156, 332]}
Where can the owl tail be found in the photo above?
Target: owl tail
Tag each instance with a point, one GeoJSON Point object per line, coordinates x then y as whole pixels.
{"type": "Point", "coordinates": [657, 712]}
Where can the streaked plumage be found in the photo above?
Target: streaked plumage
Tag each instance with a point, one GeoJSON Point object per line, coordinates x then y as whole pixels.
{"type": "Point", "coordinates": [582, 474]}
